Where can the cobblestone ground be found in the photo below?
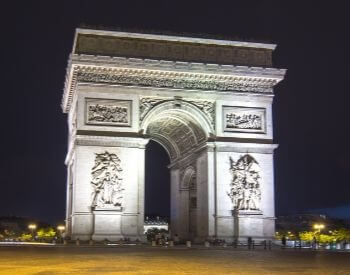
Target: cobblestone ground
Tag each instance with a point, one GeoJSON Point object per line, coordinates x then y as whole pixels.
{"type": "Point", "coordinates": [178, 260]}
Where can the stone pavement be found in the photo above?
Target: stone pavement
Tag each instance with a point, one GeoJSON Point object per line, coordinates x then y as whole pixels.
{"type": "Point", "coordinates": [162, 260]}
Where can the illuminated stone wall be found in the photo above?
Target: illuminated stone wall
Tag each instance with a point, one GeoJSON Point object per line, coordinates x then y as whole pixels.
{"type": "Point", "coordinates": [214, 120]}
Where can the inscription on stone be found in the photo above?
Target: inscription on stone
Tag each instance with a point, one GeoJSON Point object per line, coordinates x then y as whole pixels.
{"type": "Point", "coordinates": [108, 112]}
{"type": "Point", "coordinates": [184, 51]}
{"type": "Point", "coordinates": [241, 119]}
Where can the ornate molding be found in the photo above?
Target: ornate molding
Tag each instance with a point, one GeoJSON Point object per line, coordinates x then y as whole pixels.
{"type": "Point", "coordinates": [245, 190]}
{"type": "Point", "coordinates": [173, 66]}
{"type": "Point", "coordinates": [207, 107]}
{"type": "Point", "coordinates": [175, 75]}
{"type": "Point", "coordinates": [147, 103]}
{"type": "Point", "coordinates": [177, 80]}
{"type": "Point", "coordinates": [107, 182]}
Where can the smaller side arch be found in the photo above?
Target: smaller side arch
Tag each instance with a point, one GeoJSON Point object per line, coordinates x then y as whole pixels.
{"type": "Point", "coordinates": [187, 176]}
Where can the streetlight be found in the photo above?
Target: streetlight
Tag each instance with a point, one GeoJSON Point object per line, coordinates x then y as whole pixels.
{"type": "Point", "coordinates": [61, 228]}
{"type": "Point", "coordinates": [32, 227]}
{"type": "Point", "coordinates": [319, 227]}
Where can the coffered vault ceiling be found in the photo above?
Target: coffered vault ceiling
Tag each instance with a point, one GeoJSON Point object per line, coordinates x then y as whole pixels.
{"type": "Point", "coordinates": [178, 133]}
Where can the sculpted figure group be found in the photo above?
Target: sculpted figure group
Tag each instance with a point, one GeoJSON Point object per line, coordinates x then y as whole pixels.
{"type": "Point", "coordinates": [106, 181]}
{"type": "Point", "coordinates": [103, 113]}
{"type": "Point", "coordinates": [244, 121]}
{"type": "Point", "coordinates": [245, 192]}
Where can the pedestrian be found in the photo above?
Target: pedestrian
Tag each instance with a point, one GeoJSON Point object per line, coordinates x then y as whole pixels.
{"type": "Point", "coordinates": [250, 241]}
{"type": "Point", "coordinates": [284, 241]}
{"type": "Point", "coordinates": [176, 239]}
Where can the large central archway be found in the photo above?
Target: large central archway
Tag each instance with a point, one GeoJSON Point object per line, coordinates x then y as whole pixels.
{"type": "Point", "coordinates": [182, 130]}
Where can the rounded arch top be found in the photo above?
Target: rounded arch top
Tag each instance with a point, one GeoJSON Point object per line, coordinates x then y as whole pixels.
{"type": "Point", "coordinates": [187, 180]}
{"type": "Point", "coordinates": [178, 126]}
{"type": "Point", "coordinates": [175, 106]}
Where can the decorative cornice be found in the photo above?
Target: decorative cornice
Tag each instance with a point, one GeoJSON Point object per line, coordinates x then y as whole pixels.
{"type": "Point", "coordinates": [163, 74]}
{"type": "Point", "coordinates": [180, 66]}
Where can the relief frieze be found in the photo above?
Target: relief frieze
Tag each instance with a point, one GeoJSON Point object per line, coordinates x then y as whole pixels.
{"type": "Point", "coordinates": [176, 82]}
{"type": "Point", "coordinates": [243, 119]}
{"type": "Point", "coordinates": [108, 112]}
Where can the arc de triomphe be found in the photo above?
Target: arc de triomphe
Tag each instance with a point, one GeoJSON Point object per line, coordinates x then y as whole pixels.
{"type": "Point", "coordinates": [207, 102]}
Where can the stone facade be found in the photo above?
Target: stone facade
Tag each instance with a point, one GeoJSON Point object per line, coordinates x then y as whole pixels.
{"type": "Point", "coordinates": [212, 115]}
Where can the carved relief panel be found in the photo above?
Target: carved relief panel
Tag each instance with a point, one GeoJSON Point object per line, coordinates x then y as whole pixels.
{"type": "Point", "coordinates": [108, 112]}
{"type": "Point", "coordinates": [107, 182]}
{"type": "Point", "coordinates": [245, 185]}
{"type": "Point", "coordinates": [244, 119]}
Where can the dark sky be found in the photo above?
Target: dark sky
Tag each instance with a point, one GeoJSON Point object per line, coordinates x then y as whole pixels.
{"type": "Point", "coordinates": [311, 107]}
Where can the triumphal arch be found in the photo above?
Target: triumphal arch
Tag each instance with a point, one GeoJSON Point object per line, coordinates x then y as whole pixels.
{"type": "Point", "coordinates": [206, 101]}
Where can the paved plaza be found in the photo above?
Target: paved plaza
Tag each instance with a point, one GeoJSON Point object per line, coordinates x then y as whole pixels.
{"type": "Point", "coordinates": [162, 260]}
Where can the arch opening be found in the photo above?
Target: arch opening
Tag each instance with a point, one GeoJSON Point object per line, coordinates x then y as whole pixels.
{"type": "Point", "coordinates": [157, 182]}
{"type": "Point", "coordinates": [179, 130]}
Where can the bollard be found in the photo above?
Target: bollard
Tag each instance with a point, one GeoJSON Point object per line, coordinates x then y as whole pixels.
{"type": "Point", "coordinates": [91, 242]}
{"type": "Point", "coordinates": [206, 244]}
{"type": "Point", "coordinates": [77, 242]}
{"type": "Point", "coordinates": [188, 244]}
{"type": "Point", "coordinates": [153, 243]}
{"type": "Point", "coordinates": [171, 243]}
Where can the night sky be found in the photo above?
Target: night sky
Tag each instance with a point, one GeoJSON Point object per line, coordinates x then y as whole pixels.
{"type": "Point", "coordinates": [311, 107]}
